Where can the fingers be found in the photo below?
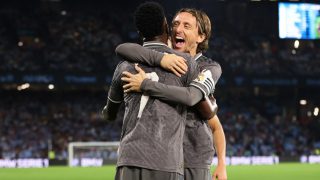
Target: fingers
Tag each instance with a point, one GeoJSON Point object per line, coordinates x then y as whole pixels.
{"type": "Point", "coordinates": [219, 177]}
{"type": "Point", "coordinates": [126, 79]}
{"type": "Point", "coordinates": [175, 72]}
{"type": "Point", "coordinates": [127, 90]}
{"type": "Point", "coordinates": [179, 69]}
{"type": "Point", "coordinates": [214, 176]}
{"type": "Point", "coordinates": [127, 74]}
{"type": "Point", "coordinates": [130, 88]}
{"type": "Point", "coordinates": [182, 64]}
{"type": "Point", "coordinates": [139, 69]}
{"type": "Point", "coordinates": [127, 86]}
{"type": "Point", "coordinates": [179, 66]}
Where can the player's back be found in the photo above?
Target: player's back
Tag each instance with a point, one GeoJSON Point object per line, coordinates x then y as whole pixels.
{"type": "Point", "coordinates": [152, 135]}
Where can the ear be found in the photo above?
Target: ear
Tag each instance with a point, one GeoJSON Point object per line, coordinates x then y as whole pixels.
{"type": "Point", "coordinates": [201, 38]}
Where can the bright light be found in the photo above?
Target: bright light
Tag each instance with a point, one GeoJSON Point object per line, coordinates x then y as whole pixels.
{"type": "Point", "coordinates": [51, 86]}
{"type": "Point", "coordinates": [294, 118]}
{"type": "Point", "coordinates": [63, 13]}
{"type": "Point", "coordinates": [309, 113]}
{"type": "Point", "coordinates": [296, 44]}
{"type": "Point", "coordinates": [20, 43]}
{"type": "Point", "coordinates": [36, 40]}
{"type": "Point", "coordinates": [293, 51]}
{"type": "Point", "coordinates": [303, 102]}
{"type": "Point", "coordinates": [23, 86]}
{"type": "Point", "coordinates": [316, 111]}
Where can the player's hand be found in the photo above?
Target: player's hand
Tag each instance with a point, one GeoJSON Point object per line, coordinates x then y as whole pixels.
{"type": "Point", "coordinates": [220, 173]}
{"type": "Point", "coordinates": [174, 63]}
{"type": "Point", "coordinates": [133, 81]}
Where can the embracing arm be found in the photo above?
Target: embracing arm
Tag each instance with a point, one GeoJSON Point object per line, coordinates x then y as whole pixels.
{"type": "Point", "coordinates": [136, 53]}
{"type": "Point", "coordinates": [183, 95]}
{"type": "Point", "coordinates": [139, 82]}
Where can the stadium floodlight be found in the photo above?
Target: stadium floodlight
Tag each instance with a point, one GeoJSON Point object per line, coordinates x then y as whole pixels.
{"type": "Point", "coordinates": [296, 44]}
{"type": "Point", "coordinates": [303, 102]}
{"type": "Point", "coordinates": [20, 44]}
{"type": "Point", "coordinates": [316, 111]}
{"type": "Point", "coordinates": [50, 86]}
{"type": "Point", "coordinates": [92, 153]}
{"type": "Point", "coordinates": [23, 86]}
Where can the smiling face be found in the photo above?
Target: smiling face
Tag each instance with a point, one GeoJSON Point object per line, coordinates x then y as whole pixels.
{"type": "Point", "coordinates": [185, 33]}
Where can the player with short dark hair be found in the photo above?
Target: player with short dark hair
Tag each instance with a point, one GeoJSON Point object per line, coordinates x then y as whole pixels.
{"type": "Point", "coordinates": [142, 20]}
{"type": "Point", "coordinates": [152, 133]}
{"type": "Point", "coordinates": [191, 32]}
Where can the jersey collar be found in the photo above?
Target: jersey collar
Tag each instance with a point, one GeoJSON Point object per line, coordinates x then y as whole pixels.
{"type": "Point", "coordinates": [154, 43]}
{"type": "Point", "coordinates": [197, 56]}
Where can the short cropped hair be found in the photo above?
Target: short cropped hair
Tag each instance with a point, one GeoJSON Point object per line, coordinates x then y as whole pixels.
{"type": "Point", "coordinates": [149, 18]}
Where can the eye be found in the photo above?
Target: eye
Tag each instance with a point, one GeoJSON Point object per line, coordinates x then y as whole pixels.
{"type": "Point", "coordinates": [187, 26]}
{"type": "Point", "coordinates": [175, 24]}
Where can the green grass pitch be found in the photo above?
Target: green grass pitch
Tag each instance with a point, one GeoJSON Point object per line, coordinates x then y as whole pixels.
{"type": "Point", "coordinates": [292, 171]}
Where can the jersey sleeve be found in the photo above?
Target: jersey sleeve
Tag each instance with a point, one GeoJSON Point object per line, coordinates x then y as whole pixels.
{"type": "Point", "coordinates": [192, 72]}
{"type": "Point", "coordinates": [215, 69]}
{"type": "Point", "coordinates": [182, 95]}
{"type": "Point", "coordinates": [115, 93]}
{"type": "Point", "coordinates": [135, 53]}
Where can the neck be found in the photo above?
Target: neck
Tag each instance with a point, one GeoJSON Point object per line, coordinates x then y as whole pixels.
{"type": "Point", "coordinates": [193, 52]}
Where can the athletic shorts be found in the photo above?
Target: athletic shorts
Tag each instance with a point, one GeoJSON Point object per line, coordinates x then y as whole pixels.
{"type": "Point", "coordinates": [137, 173]}
{"type": "Point", "coordinates": [197, 174]}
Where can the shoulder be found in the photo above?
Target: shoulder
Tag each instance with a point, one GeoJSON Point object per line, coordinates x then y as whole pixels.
{"type": "Point", "coordinates": [206, 63]}
{"type": "Point", "coordinates": [207, 60]}
{"type": "Point", "coordinates": [124, 66]}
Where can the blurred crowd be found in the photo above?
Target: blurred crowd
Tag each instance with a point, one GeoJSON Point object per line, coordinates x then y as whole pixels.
{"type": "Point", "coordinates": [60, 40]}
{"type": "Point", "coordinates": [67, 41]}
{"type": "Point", "coordinates": [265, 56]}
{"type": "Point", "coordinates": [32, 125]}
{"type": "Point", "coordinates": [71, 42]}
{"type": "Point", "coordinates": [270, 129]}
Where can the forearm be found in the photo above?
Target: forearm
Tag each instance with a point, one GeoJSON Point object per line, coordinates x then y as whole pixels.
{"type": "Point", "coordinates": [182, 95]}
{"type": "Point", "coordinates": [219, 139]}
{"type": "Point", "coordinates": [135, 53]}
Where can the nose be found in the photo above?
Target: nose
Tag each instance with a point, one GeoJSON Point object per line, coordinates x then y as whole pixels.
{"type": "Point", "coordinates": [179, 28]}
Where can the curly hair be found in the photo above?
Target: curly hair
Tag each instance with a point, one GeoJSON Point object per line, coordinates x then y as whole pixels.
{"type": "Point", "coordinates": [149, 18]}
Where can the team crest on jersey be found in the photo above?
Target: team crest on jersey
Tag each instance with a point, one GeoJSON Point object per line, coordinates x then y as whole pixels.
{"type": "Point", "coordinates": [201, 77]}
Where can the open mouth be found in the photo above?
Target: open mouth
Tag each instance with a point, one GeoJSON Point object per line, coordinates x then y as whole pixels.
{"type": "Point", "coordinates": [179, 42]}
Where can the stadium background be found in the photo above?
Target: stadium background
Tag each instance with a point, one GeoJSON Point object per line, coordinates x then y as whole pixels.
{"type": "Point", "coordinates": [57, 59]}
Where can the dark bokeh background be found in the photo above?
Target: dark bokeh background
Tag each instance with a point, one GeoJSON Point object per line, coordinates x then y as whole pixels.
{"type": "Point", "coordinates": [69, 45]}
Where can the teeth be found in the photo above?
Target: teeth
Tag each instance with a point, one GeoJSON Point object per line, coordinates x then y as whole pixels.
{"type": "Point", "coordinates": [179, 38]}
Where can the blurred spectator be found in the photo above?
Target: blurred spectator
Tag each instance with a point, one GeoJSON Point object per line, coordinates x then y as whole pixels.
{"type": "Point", "coordinates": [32, 123]}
